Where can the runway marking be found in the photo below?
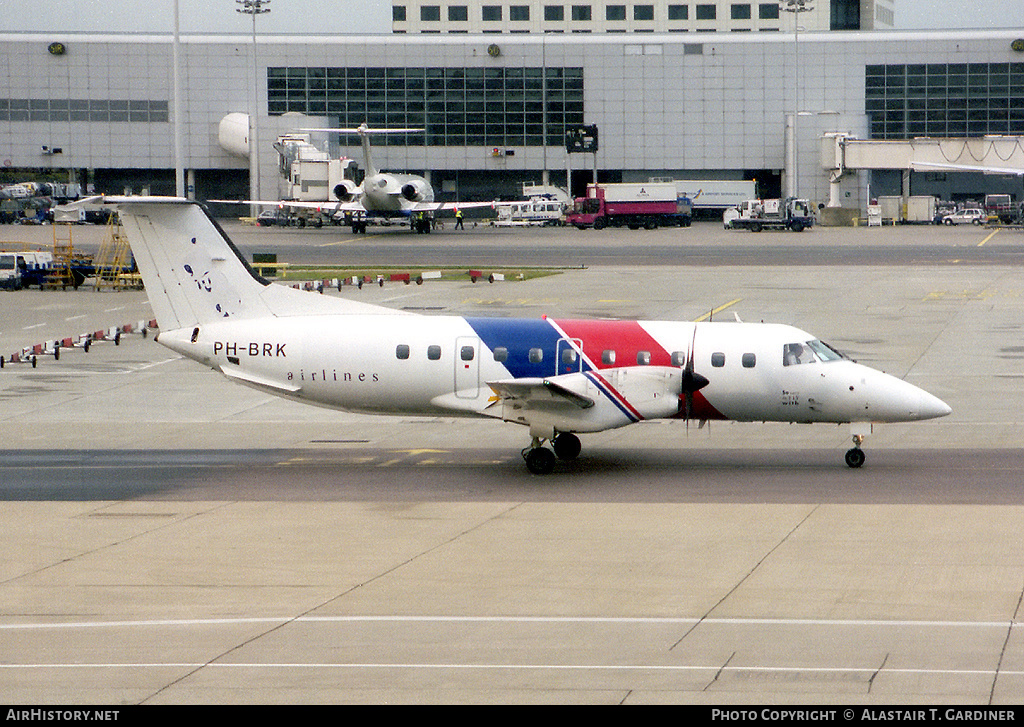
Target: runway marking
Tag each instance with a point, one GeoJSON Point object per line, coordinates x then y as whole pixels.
{"type": "Point", "coordinates": [994, 233]}
{"type": "Point", "coordinates": [715, 668]}
{"type": "Point", "coordinates": [332, 244]}
{"type": "Point", "coordinates": [688, 621]}
{"type": "Point", "coordinates": [719, 309]}
{"type": "Point", "coordinates": [29, 328]}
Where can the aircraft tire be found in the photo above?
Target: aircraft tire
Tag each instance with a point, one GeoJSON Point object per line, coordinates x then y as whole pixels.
{"type": "Point", "coordinates": [567, 446]}
{"type": "Point", "coordinates": [540, 461]}
{"type": "Point", "coordinates": [855, 457]}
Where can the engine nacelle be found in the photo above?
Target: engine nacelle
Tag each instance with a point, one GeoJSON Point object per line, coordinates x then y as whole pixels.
{"type": "Point", "coordinates": [415, 191]}
{"type": "Point", "coordinates": [346, 190]}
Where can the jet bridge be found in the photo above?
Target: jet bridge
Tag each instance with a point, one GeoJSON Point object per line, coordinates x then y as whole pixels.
{"type": "Point", "coordinates": [842, 153]}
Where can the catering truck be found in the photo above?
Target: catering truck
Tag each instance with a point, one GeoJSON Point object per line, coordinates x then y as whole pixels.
{"type": "Point", "coordinates": [648, 205]}
{"type": "Point", "coordinates": [770, 214]}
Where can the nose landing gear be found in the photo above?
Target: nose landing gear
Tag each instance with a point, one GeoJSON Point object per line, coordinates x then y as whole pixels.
{"type": "Point", "coordinates": [855, 457]}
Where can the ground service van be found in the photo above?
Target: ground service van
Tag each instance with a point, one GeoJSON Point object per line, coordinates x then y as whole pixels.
{"type": "Point", "coordinates": [771, 214]}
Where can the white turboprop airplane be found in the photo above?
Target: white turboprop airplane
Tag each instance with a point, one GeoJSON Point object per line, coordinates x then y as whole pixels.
{"type": "Point", "coordinates": [559, 377]}
{"type": "Point", "coordinates": [382, 194]}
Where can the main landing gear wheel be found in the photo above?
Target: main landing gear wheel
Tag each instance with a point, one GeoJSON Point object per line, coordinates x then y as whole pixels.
{"type": "Point", "coordinates": [539, 460]}
{"type": "Point", "coordinates": [567, 446]}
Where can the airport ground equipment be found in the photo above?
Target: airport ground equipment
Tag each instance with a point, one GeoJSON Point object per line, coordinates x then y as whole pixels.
{"type": "Point", "coordinates": [648, 205]}
{"type": "Point", "coordinates": [537, 211]}
{"type": "Point", "coordinates": [772, 214]}
{"type": "Point", "coordinates": [713, 195]}
{"type": "Point", "coordinates": [24, 268]}
{"type": "Point", "coordinates": [113, 265]}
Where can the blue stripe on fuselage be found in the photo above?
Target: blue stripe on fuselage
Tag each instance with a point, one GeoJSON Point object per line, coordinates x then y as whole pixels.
{"type": "Point", "coordinates": [519, 335]}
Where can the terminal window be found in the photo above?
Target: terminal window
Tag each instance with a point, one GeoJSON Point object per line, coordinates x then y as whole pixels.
{"type": "Point", "coordinates": [643, 12]}
{"type": "Point", "coordinates": [615, 12]}
{"type": "Point", "coordinates": [493, 106]}
{"type": "Point", "coordinates": [80, 109]}
{"type": "Point", "coordinates": [519, 12]}
{"type": "Point", "coordinates": [581, 12]}
{"type": "Point", "coordinates": [707, 12]}
{"type": "Point", "coordinates": [740, 12]}
{"type": "Point", "coordinates": [678, 12]}
{"type": "Point", "coordinates": [904, 101]}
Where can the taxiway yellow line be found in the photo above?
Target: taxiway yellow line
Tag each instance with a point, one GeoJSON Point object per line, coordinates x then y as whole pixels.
{"type": "Point", "coordinates": [994, 233]}
{"type": "Point", "coordinates": [719, 309]}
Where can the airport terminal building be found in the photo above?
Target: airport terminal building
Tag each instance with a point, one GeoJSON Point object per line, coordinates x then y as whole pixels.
{"type": "Point", "coordinates": [494, 108]}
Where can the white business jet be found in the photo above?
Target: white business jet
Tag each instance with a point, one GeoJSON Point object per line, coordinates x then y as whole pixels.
{"type": "Point", "coordinates": [559, 378]}
{"type": "Point", "coordinates": [382, 194]}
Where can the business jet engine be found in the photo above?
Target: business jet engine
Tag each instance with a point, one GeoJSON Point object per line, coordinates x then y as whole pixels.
{"type": "Point", "coordinates": [346, 190]}
{"type": "Point", "coordinates": [417, 190]}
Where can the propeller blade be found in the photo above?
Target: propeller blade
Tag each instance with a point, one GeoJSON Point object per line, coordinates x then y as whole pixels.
{"type": "Point", "coordinates": [691, 381]}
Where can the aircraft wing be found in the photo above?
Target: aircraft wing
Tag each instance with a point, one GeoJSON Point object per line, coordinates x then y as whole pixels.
{"type": "Point", "coordinates": [540, 393]}
{"type": "Point", "coordinates": [326, 206]}
{"type": "Point", "coordinates": [447, 206]}
{"type": "Point", "coordinates": [925, 166]}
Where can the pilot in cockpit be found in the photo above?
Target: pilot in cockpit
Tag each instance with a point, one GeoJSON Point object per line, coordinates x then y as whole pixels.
{"type": "Point", "coordinates": [792, 353]}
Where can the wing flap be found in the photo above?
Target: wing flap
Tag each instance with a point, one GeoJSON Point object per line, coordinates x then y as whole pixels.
{"type": "Point", "coordinates": [540, 393]}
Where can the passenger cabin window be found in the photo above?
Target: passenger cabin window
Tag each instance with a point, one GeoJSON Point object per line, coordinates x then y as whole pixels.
{"type": "Point", "coordinates": [434, 353]}
{"type": "Point", "coordinates": [643, 358]}
{"type": "Point", "coordinates": [749, 360]}
{"type": "Point", "coordinates": [678, 358]}
{"type": "Point", "coordinates": [402, 352]}
{"type": "Point", "coordinates": [718, 360]}
{"type": "Point", "coordinates": [467, 353]}
{"type": "Point", "coordinates": [569, 356]}
{"type": "Point", "coordinates": [608, 357]}
{"type": "Point", "coordinates": [536, 355]}
{"type": "Point", "coordinates": [501, 354]}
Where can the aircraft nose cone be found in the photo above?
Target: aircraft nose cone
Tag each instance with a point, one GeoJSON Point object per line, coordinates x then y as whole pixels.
{"type": "Point", "coordinates": [932, 407]}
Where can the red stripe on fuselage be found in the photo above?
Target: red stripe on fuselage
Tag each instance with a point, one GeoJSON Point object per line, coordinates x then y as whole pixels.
{"type": "Point", "coordinates": [626, 338]}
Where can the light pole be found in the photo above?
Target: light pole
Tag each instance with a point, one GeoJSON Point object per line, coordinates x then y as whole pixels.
{"type": "Point", "coordinates": [254, 8]}
{"type": "Point", "coordinates": [796, 7]}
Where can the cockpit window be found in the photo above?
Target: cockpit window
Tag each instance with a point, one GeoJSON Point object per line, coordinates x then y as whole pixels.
{"type": "Point", "coordinates": [824, 351]}
{"type": "Point", "coordinates": [796, 354]}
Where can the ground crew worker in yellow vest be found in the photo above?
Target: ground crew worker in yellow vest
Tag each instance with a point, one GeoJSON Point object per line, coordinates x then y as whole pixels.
{"type": "Point", "coordinates": [458, 220]}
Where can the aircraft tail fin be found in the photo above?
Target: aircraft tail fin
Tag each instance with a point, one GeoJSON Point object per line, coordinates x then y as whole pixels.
{"type": "Point", "coordinates": [194, 274]}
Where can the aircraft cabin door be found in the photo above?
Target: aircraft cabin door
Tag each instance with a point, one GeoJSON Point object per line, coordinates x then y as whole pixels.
{"type": "Point", "coordinates": [467, 367]}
